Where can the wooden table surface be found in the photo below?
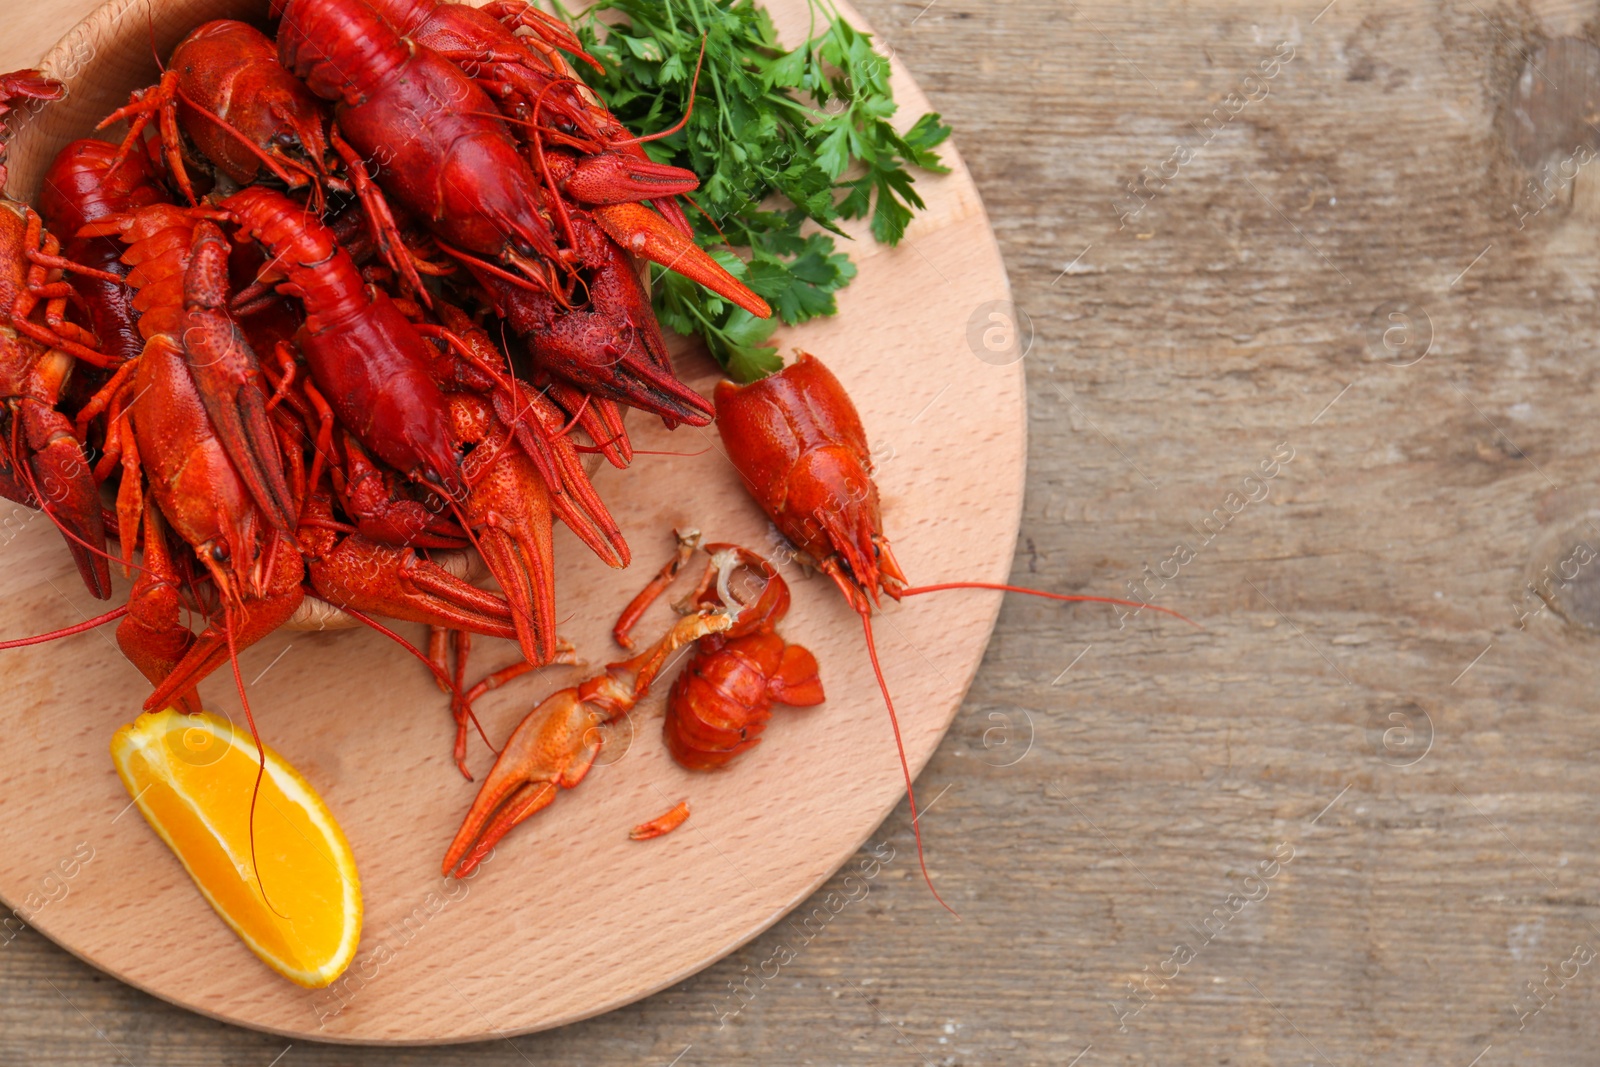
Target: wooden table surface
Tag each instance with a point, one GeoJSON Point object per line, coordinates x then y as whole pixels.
{"type": "Point", "coordinates": [1311, 345]}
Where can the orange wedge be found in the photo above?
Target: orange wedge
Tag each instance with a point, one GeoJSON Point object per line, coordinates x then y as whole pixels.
{"type": "Point", "coordinates": [192, 777]}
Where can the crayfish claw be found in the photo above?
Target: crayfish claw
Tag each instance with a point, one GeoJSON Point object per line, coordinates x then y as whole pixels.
{"type": "Point", "coordinates": [554, 746]}
{"type": "Point", "coordinates": [573, 497]}
{"type": "Point", "coordinates": [610, 344]}
{"type": "Point", "coordinates": [618, 178]}
{"type": "Point", "coordinates": [63, 484]}
{"type": "Point", "coordinates": [644, 233]}
{"type": "Point", "coordinates": [228, 377]}
{"type": "Point", "coordinates": [508, 512]}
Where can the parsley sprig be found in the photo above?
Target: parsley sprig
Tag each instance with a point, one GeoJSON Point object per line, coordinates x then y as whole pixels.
{"type": "Point", "coordinates": [779, 138]}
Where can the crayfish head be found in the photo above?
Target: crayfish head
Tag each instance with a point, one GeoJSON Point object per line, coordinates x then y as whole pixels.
{"type": "Point", "coordinates": [832, 516]}
{"type": "Point", "coordinates": [797, 441]}
{"type": "Point", "coordinates": [234, 558]}
{"type": "Point", "coordinates": [301, 139]}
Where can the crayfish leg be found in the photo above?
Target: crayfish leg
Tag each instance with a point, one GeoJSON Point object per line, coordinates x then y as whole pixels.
{"type": "Point", "coordinates": [688, 541]}
{"type": "Point", "coordinates": [661, 824]}
{"type": "Point", "coordinates": [152, 634]}
{"type": "Point", "coordinates": [251, 621]}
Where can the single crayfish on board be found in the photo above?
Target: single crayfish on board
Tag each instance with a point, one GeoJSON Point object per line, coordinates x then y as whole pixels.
{"type": "Point", "coordinates": [801, 451]}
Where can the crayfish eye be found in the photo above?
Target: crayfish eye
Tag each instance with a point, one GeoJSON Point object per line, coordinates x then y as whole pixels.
{"type": "Point", "coordinates": [219, 553]}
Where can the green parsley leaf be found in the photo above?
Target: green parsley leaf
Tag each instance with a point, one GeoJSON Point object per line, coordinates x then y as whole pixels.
{"type": "Point", "coordinates": [808, 129]}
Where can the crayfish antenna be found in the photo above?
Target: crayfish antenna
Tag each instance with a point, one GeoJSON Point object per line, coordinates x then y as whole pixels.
{"type": "Point", "coordinates": [865, 611]}
{"type": "Point", "coordinates": [445, 681]}
{"type": "Point", "coordinates": [450, 685]}
{"type": "Point", "coordinates": [1001, 588]}
{"type": "Point", "coordinates": [55, 635]}
{"type": "Point", "coordinates": [694, 90]}
{"type": "Point", "coordinates": [863, 607]}
{"type": "Point", "coordinates": [261, 757]}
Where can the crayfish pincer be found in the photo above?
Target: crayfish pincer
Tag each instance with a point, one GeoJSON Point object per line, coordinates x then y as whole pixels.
{"type": "Point", "coordinates": [554, 747]}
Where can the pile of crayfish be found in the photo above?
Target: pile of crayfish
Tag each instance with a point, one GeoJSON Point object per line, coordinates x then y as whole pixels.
{"type": "Point", "coordinates": [343, 297]}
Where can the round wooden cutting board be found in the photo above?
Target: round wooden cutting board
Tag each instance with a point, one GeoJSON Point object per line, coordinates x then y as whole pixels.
{"type": "Point", "coordinates": [569, 918]}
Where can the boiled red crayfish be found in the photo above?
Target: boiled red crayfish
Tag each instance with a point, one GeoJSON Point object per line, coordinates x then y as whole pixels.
{"type": "Point", "coordinates": [189, 416]}
{"type": "Point", "coordinates": [245, 114]}
{"type": "Point", "coordinates": [242, 111]}
{"type": "Point", "coordinates": [83, 186]}
{"type": "Point", "coordinates": [42, 459]}
{"type": "Point", "coordinates": [190, 419]}
{"type": "Point", "coordinates": [449, 158]}
{"type": "Point", "coordinates": [529, 81]}
{"type": "Point", "coordinates": [799, 446]}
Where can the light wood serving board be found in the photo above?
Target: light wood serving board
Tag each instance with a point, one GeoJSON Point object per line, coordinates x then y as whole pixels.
{"type": "Point", "coordinates": [569, 918]}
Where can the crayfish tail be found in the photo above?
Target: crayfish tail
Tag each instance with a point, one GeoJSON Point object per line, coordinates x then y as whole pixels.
{"type": "Point", "coordinates": [798, 682]}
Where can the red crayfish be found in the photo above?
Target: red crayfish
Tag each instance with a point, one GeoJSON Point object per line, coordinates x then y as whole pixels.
{"type": "Point", "coordinates": [798, 444]}
{"type": "Point", "coordinates": [43, 463]}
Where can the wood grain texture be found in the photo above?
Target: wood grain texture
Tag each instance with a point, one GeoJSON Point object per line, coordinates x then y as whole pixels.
{"type": "Point", "coordinates": [573, 919]}
{"type": "Point", "coordinates": [1165, 766]}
